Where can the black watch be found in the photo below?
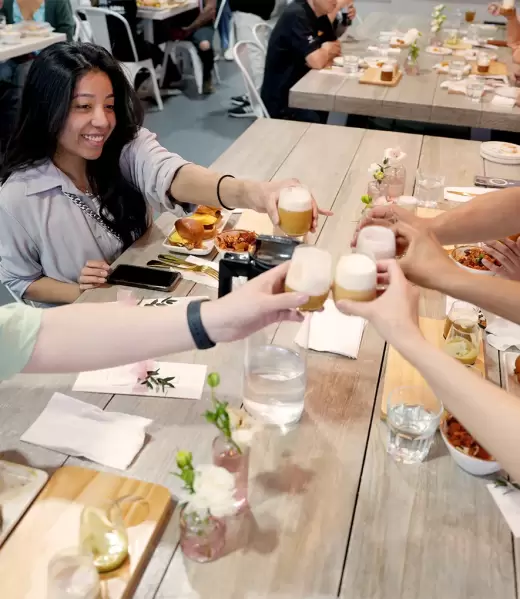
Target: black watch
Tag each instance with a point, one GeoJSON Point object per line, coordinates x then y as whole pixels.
{"type": "Point", "coordinates": [197, 330]}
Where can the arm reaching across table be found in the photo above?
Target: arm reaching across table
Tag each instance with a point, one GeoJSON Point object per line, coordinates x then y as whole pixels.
{"type": "Point", "coordinates": [490, 414]}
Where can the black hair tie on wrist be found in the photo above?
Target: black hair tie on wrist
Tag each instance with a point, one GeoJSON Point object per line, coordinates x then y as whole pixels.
{"type": "Point", "coordinates": [218, 191]}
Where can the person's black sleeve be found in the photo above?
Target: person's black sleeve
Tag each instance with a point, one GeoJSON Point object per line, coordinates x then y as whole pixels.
{"type": "Point", "coordinates": [301, 37]}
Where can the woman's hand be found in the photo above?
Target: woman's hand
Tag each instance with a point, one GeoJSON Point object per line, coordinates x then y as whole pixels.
{"type": "Point", "coordinates": [93, 274]}
{"type": "Point", "coordinates": [253, 306]}
{"type": "Point", "coordinates": [507, 252]}
{"type": "Point", "coordinates": [395, 313]}
{"type": "Point", "coordinates": [264, 196]}
{"type": "Point", "coordinates": [351, 11]}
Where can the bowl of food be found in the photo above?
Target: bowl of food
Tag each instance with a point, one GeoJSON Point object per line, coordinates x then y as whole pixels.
{"type": "Point", "coordinates": [10, 36]}
{"type": "Point", "coordinates": [463, 448]}
{"type": "Point", "coordinates": [237, 241]}
{"type": "Point", "coordinates": [470, 258]}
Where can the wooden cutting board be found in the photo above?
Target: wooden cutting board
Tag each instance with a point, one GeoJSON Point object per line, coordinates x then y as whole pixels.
{"type": "Point", "coordinates": [401, 373]}
{"type": "Point", "coordinates": [496, 68]}
{"type": "Point", "coordinates": [52, 525]}
{"type": "Point", "coordinates": [372, 76]}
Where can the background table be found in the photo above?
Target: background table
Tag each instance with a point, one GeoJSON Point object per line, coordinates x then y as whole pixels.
{"type": "Point", "coordinates": [414, 98]}
{"type": "Point", "coordinates": [29, 44]}
{"type": "Point", "coordinates": [151, 15]}
{"type": "Point", "coordinates": [332, 514]}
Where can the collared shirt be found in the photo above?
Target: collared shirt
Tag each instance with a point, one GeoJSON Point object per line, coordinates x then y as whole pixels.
{"type": "Point", "coordinates": [19, 326]}
{"type": "Point", "coordinates": [44, 234]}
{"type": "Point", "coordinates": [298, 33]}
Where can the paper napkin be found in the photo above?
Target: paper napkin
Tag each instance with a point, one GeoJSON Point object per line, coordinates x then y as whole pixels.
{"type": "Point", "coordinates": [80, 429]}
{"type": "Point", "coordinates": [508, 502]}
{"type": "Point", "coordinates": [440, 68]}
{"type": "Point", "coordinates": [503, 102]}
{"type": "Point", "coordinates": [503, 334]}
{"type": "Point", "coordinates": [476, 191]}
{"type": "Point", "coordinates": [332, 331]}
{"type": "Point", "coordinates": [124, 380]}
{"type": "Point", "coordinates": [198, 277]}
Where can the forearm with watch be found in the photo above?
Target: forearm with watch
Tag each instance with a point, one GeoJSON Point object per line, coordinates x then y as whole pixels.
{"type": "Point", "coordinates": [50, 291]}
{"type": "Point", "coordinates": [198, 185]}
{"type": "Point", "coordinates": [491, 216]}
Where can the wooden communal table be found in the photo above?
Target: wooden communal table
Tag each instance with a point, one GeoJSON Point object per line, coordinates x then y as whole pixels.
{"type": "Point", "coordinates": [414, 98]}
{"type": "Point", "coordinates": [331, 513]}
{"type": "Point", "coordinates": [29, 45]}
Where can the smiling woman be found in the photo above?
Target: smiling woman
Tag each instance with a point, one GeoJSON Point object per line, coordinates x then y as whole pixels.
{"type": "Point", "coordinates": [81, 177]}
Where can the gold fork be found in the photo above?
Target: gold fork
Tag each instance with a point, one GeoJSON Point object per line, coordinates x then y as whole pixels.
{"type": "Point", "coordinates": [207, 270]}
{"type": "Point", "coordinates": [170, 259]}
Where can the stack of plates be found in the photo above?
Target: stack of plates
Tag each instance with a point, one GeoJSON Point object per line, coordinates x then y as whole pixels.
{"type": "Point", "coordinates": [500, 152]}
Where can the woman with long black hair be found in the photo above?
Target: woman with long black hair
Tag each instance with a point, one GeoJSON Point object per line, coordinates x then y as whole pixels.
{"type": "Point", "coordinates": [81, 176]}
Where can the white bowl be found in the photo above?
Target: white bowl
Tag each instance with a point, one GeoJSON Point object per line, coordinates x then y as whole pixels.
{"type": "Point", "coordinates": [469, 463]}
{"type": "Point", "coordinates": [453, 254]}
{"type": "Point", "coordinates": [226, 251]}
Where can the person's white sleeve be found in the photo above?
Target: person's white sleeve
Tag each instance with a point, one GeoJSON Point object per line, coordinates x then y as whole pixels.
{"type": "Point", "coordinates": [19, 327]}
{"type": "Point", "coordinates": [151, 169]}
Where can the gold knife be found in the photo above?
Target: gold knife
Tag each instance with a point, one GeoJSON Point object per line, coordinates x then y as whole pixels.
{"type": "Point", "coordinates": [461, 193]}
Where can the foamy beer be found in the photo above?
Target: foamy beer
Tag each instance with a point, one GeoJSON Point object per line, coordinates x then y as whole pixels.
{"type": "Point", "coordinates": [508, 7]}
{"type": "Point", "coordinates": [483, 62]}
{"type": "Point", "coordinates": [310, 272]}
{"type": "Point", "coordinates": [355, 279]}
{"type": "Point", "coordinates": [295, 211]}
{"type": "Point", "coordinates": [376, 242]}
{"type": "Point", "coordinates": [461, 312]}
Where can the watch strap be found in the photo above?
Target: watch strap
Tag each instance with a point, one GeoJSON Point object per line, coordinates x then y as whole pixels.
{"type": "Point", "coordinates": [197, 330]}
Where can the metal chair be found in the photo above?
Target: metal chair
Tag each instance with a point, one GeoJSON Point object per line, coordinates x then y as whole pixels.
{"type": "Point", "coordinates": [262, 33]}
{"type": "Point", "coordinates": [97, 19]}
{"type": "Point", "coordinates": [241, 54]}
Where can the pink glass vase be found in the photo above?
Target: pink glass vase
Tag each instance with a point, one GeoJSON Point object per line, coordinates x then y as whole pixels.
{"type": "Point", "coordinates": [227, 456]}
{"type": "Point", "coordinates": [377, 189]}
{"type": "Point", "coordinates": [395, 178]}
{"type": "Point", "coordinates": [202, 537]}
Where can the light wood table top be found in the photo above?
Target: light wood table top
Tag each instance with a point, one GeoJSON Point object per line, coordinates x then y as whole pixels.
{"type": "Point", "coordinates": [29, 45]}
{"type": "Point", "coordinates": [156, 14]}
{"type": "Point", "coordinates": [414, 98]}
{"type": "Point", "coordinates": [331, 512]}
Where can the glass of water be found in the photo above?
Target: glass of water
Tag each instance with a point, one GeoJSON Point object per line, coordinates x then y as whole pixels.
{"type": "Point", "coordinates": [413, 415]}
{"type": "Point", "coordinates": [275, 379]}
{"type": "Point", "coordinates": [475, 90]}
{"type": "Point", "coordinates": [428, 188]}
{"type": "Point", "coordinates": [351, 64]}
{"type": "Point", "coordinates": [457, 69]}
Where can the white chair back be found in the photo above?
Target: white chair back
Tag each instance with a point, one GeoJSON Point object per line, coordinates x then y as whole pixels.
{"type": "Point", "coordinates": [241, 55]}
{"type": "Point", "coordinates": [262, 33]}
{"type": "Point", "coordinates": [97, 19]}
{"type": "Point", "coordinates": [83, 32]}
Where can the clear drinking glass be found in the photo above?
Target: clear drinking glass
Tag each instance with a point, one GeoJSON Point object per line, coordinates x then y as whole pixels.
{"type": "Point", "coordinates": [469, 15]}
{"type": "Point", "coordinates": [384, 42]}
{"type": "Point", "coordinates": [475, 90]}
{"type": "Point", "coordinates": [71, 574]}
{"type": "Point", "coordinates": [310, 272]}
{"type": "Point", "coordinates": [351, 64]}
{"type": "Point", "coordinates": [428, 188]}
{"type": "Point", "coordinates": [275, 379]}
{"type": "Point", "coordinates": [460, 310]}
{"type": "Point", "coordinates": [456, 70]}
{"type": "Point", "coordinates": [463, 341]}
{"type": "Point", "coordinates": [413, 415]}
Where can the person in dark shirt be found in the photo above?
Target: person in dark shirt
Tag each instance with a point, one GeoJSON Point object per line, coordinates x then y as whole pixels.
{"type": "Point", "coordinates": [304, 38]}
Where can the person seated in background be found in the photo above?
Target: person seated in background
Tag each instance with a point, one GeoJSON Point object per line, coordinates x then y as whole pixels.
{"type": "Point", "coordinates": [489, 413]}
{"type": "Point", "coordinates": [81, 175]}
{"type": "Point", "coordinates": [513, 41]}
{"type": "Point", "coordinates": [489, 216]}
{"type": "Point", "coordinates": [67, 339]}
{"type": "Point", "coordinates": [56, 12]}
{"type": "Point", "coordinates": [304, 38]}
{"type": "Point", "coordinates": [197, 26]}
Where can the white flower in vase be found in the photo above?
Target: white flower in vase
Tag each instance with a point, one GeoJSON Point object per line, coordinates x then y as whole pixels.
{"type": "Point", "coordinates": [214, 490]}
{"type": "Point", "coordinates": [373, 168]}
{"type": "Point", "coordinates": [243, 427]}
{"type": "Point", "coordinates": [394, 156]}
{"type": "Point", "coordinates": [440, 7]}
{"type": "Point", "coordinates": [411, 36]}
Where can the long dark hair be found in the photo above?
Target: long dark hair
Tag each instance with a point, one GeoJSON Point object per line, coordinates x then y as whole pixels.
{"type": "Point", "coordinates": [44, 108]}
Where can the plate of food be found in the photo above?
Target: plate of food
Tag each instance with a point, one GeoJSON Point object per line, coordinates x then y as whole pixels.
{"type": "Point", "coordinates": [10, 36]}
{"type": "Point", "coordinates": [236, 241]}
{"type": "Point", "coordinates": [398, 42]}
{"type": "Point", "coordinates": [438, 51]}
{"type": "Point", "coordinates": [470, 257]}
{"type": "Point", "coordinates": [34, 29]}
{"type": "Point", "coordinates": [465, 450]}
{"type": "Point", "coordinates": [195, 234]}
{"type": "Point", "coordinates": [374, 62]}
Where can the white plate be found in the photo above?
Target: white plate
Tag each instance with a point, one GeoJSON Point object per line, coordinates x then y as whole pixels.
{"type": "Point", "coordinates": [207, 246]}
{"type": "Point", "coordinates": [437, 51]}
{"type": "Point", "coordinates": [19, 487]}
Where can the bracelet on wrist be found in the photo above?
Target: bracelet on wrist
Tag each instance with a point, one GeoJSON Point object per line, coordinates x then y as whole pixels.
{"type": "Point", "coordinates": [218, 191]}
{"type": "Point", "coordinates": [196, 326]}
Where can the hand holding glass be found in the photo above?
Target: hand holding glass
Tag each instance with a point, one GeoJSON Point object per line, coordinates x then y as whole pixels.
{"type": "Point", "coordinates": [310, 272]}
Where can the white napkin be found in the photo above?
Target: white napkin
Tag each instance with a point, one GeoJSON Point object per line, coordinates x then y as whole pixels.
{"type": "Point", "coordinates": [503, 102]}
{"type": "Point", "coordinates": [198, 277]}
{"type": "Point", "coordinates": [332, 331]}
{"type": "Point", "coordinates": [440, 68]}
{"type": "Point", "coordinates": [456, 87]}
{"type": "Point", "coordinates": [79, 429]}
{"type": "Point", "coordinates": [508, 502]}
{"type": "Point", "coordinates": [389, 51]}
{"type": "Point", "coordinates": [476, 191]}
{"type": "Point", "coordinates": [503, 334]}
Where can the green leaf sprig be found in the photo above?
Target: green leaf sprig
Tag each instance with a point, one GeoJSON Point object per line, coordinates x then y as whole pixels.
{"type": "Point", "coordinates": [414, 51]}
{"type": "Point", "coordinates": [505, 481]}
{"type": "Point", "coordinates": [220, 417]}
{"type": "Point", "coordinates": [154, 381]}
{"type": "Point", "coordinates": [366, 199]}
{"type": "Point", "coordinates": [184, 460]}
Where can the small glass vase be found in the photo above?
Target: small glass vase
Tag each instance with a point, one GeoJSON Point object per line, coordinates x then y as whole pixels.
{"type": "Point", "coordinates": [202, 537]}
{"type": "Point", "coordinates": [411, 66]}
{"type": "Point", "coordinates": [395, 178]}
{"type": "Point", "coordinates": [377, 189]}
{"type": "Point", "coordinates": [226, 455]}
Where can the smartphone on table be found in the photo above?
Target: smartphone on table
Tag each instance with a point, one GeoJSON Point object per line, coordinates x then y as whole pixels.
{"type": "Point", "coordinates": [144, 277]}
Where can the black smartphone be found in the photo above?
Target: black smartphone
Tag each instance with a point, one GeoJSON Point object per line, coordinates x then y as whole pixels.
{"type": "Point", "coordinates": [144, 278]}
{"type": "Point", "coordinates": [496, 182]}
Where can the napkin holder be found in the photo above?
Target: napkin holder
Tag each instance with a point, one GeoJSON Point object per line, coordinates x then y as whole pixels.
{"type": "Point", "coordinates": [270, 251]}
